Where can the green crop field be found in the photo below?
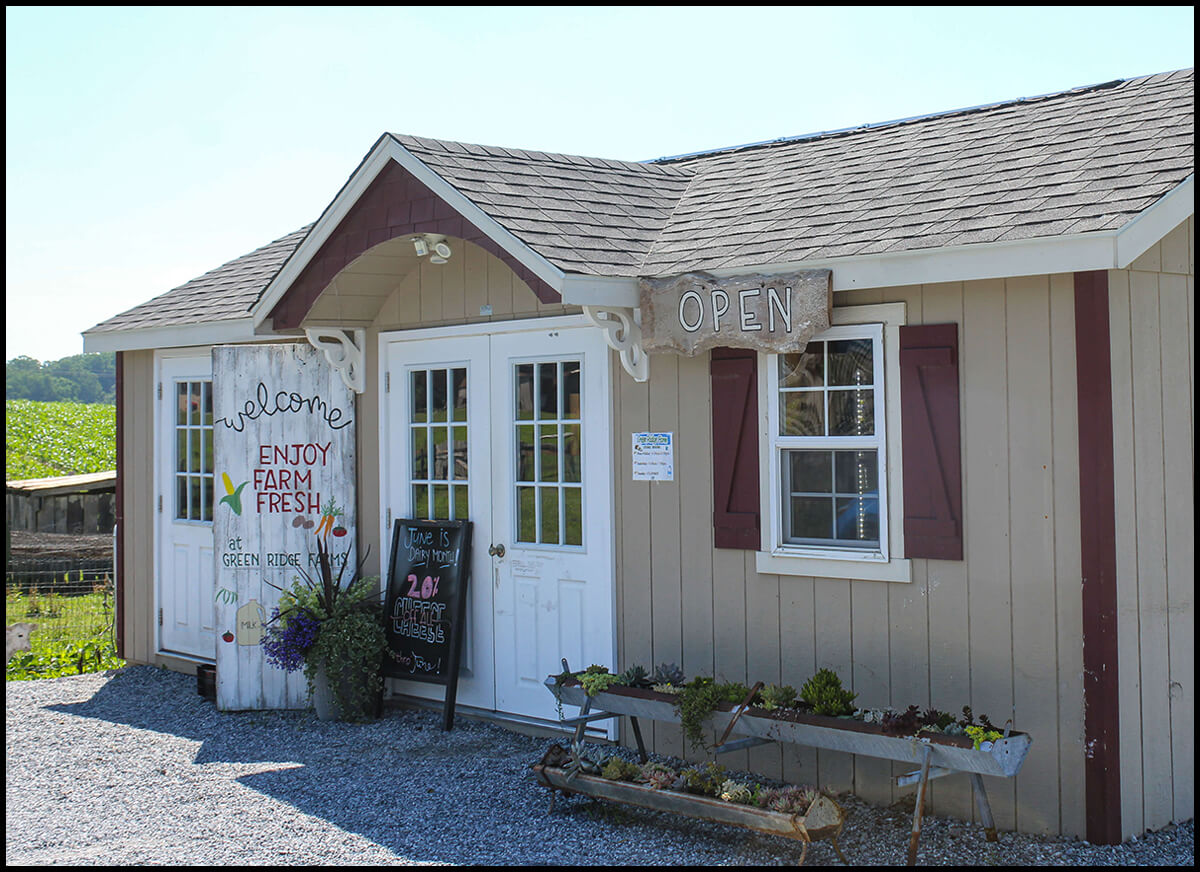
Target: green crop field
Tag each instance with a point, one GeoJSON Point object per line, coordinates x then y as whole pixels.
{"type": "Point", "coordinates": [42, 440]}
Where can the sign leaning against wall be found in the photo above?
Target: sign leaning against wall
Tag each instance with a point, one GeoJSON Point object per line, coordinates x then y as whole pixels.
{"type": "Point", "coordinates": [284, 455]}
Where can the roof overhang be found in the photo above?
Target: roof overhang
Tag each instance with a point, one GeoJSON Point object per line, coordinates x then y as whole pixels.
{"type": "Point", "coordinates": [1099, 250]}
{"type": "Point", "coordinates": [224, 332]}
{"type": "Point", "coordinates": [387, 149]}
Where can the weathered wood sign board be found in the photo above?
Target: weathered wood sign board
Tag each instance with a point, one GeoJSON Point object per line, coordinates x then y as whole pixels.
{"type": "Point", "coordinates": [696, 311]}
{"type": "Point", "coordinates": [284, 456]}
{"type": "Point", "coordinates": [426, 606]}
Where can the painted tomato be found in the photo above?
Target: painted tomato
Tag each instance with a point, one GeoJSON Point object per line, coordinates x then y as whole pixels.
{"type": "Point", "coordinates": [228, 637]}
{"type": "Point", "coordinates": [340, 531]}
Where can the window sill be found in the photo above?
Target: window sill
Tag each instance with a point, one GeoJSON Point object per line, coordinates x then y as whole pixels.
{"type": "Point", "coordinates": [857, 568]}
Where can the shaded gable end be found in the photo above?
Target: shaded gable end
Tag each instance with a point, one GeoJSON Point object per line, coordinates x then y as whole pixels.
{"type": "Point", "coordinates": [395, 204]}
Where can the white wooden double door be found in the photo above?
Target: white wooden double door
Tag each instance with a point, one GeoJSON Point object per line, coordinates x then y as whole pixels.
{"type": "Point", "coordinates": [512, 432]}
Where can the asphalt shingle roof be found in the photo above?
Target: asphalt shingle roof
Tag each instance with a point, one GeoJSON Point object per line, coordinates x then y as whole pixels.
{"type": "Point", "coordinates": [1079, 161]}
{"type": "Point", "coordinates": [227, 292]}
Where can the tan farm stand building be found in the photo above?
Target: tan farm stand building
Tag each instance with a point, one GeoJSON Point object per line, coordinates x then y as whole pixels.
{"type": "Point", "coordinates": [912, 401]}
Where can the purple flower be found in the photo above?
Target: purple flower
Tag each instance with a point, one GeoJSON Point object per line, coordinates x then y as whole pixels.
{"type": "Point", "coordinates": [287, 641]}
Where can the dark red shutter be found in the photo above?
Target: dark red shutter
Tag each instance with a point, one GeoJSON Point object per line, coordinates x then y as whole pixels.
{"type": "Point", "coordinates": [734, 373]}
{"type": "Point", "coordinates": [929, 416]}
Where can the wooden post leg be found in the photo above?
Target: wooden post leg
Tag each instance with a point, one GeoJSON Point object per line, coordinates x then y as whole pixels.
{"type": "Point", "coordinates": [985, 809]}
{"type": "Point", "coordinates": [637, 734]}
{"type": "Point", "coordinates": [919, 810]}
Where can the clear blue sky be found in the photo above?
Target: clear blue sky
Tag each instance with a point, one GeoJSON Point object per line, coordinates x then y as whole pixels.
{"type": "Point", "coordinates": [148, 145]}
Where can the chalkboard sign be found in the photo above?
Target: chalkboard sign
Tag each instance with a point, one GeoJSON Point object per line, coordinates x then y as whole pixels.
{"type": "Point", "coordinates": [427, 603]}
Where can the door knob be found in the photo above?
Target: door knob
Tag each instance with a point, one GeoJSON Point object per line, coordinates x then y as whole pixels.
{"type": "Point", "coordinates": [496, 550]}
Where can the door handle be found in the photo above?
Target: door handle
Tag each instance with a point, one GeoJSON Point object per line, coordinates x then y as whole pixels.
{"type": "Point", "coordinates": [496, 550]}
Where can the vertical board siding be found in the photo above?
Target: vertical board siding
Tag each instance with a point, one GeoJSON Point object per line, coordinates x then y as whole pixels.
{"type": "Point", "coordinates": [1031, 543]}
{"type": "Point", "coordinates": [1124, 488]}
{"type": "Point", "coordinates": [1154, 429]}
{"type": "Point", "coordinates": [998, 631]}
{"type": "Point", "coordinates": [665, 533]}
{"type": "Point", "coordinates": [986, 518]}
{"type": "Point", "coordinates": [931, 614]}
{"type": "Point", "coordinates": [137, 458]}
{"type": "Point", "coordinates": [1179, 497]}
{"type": "Point", "coordinates": [1065, 531]}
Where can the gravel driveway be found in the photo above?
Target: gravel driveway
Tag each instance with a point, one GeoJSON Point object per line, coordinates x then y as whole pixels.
{"type": "Point", "coordinates": [133, 767]}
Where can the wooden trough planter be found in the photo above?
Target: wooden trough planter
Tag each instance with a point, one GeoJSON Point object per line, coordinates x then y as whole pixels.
{"type": "Point", "coordinates": [823, 819]}
{"type": "Point", "coordinates": [937, 755]}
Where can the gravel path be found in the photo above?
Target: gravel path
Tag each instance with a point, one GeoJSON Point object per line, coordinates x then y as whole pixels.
{"type": "Point", "coordinates": [133, 767]}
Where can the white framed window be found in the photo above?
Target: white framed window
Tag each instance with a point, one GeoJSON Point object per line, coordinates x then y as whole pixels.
{"type": "Point", "coordinates": [830, 458]}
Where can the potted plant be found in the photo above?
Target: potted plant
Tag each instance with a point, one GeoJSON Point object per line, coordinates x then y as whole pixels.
{"type": "Point", "coordinates": [335, 634]}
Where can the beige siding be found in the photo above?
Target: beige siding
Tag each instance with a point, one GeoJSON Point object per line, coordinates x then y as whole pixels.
{"type": "Point", "coordinates": [999, 631]}
{"type": "Point", "coordinates": [432, 295]}
{"type": "Point", "coordinates": [137, 531]}
{"type": "Point", "coordinates": [1151, 306]}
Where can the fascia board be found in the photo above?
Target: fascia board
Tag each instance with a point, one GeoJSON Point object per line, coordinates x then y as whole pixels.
{"type": "Point", "coordinates": [387, 149]}
{"type": "Point", "coordinates": [992, 260]}
{"type": "Point", "coordinates": [180, 336]}
{"type": "Point", "coordinates": [958, 264]}
{"type": "Point", "coordinates": [584, 290]}
{"type": "Point", "coordinates": [1171, 210]}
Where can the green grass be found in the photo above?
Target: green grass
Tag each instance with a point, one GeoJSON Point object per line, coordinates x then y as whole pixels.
{"type": "Point", "coordinates": [42, 440]}
{"type": "Point", "coordinates": [73, 635]}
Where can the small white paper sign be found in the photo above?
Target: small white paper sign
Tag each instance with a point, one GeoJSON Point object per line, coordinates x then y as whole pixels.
{"type": "Point", "coordinates": [653, 457]}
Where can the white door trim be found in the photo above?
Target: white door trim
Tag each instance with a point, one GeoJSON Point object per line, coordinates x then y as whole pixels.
{"type": "Point", "coordinates": [601, 440]}
{"type": "Point", "coordinates": [162, 491]}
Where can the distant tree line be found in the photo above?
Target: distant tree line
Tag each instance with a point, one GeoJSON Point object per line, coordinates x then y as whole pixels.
{"type": "Point", "coordinates": [81, 378]}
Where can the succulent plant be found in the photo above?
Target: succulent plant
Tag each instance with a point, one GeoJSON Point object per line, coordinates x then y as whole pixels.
{"type": "Point", "coordinates": [824, 692]}
{"type": "Point", "coordinates": [597, 682]}
{"type": "Point", "coordinates": [734, 791]}
{"type": "Point", "coordinates": [661, 780]}
{"type": "Point", "coordinates": [669, 673]}
{"type": "Point", "coordinates": [775, 696]}
{"type": "Point", "coordinates": [790, 800]}
{"type": "Point", "coordinates": [636, 676]}
{"type": "Point", "coordinates": [619, 769]}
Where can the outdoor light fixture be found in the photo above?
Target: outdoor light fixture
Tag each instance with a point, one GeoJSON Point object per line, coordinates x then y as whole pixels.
{"type": "Point", "coordinates": [432, 242]}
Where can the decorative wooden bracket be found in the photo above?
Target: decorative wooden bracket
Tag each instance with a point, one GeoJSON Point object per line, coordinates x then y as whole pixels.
{"type": "Point", "coordinates": [344, 353]}
{"type": "Point", "coordinates": [623, 334]}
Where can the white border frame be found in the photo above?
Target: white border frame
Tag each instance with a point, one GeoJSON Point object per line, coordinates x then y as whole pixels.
{"type": "Point", "coordinates": [879, 441]}
{"type": "Point", "coordinates": [883, 565]}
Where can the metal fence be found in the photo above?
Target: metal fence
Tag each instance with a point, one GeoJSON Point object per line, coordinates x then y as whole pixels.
{"type": "Point", "coordinates": [70, 601]}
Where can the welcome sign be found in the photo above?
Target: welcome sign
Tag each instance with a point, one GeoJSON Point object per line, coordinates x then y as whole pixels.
{"type": "Point", "coordinates": [284, 476]}
{"type": "Point", "coordinates": [696, 311]}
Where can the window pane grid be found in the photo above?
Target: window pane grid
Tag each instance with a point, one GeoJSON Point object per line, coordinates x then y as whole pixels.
{"type": "Point", "coordinates": [827, 443]}
{"type": "Point", "coordinates": [438, 429]}
{"type": "Point", "coordinates": [193, 451]}
{"type": "Point", "coordinates": [547, 462]}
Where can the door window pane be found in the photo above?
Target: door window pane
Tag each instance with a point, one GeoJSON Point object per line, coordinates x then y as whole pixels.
{"type": "Point", "coordinates": [547, 471]}
{"type": "Point", "coordinates": [193, 451]}
{"type": "Point", "coordinates": [440, 453]}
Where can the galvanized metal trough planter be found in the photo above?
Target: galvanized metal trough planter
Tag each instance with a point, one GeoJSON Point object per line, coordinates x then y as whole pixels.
{"type": "Point", "coordinates": [823, 819]}
{"type": "Point", "coordinates": [937, 755]}
{"type": "Point", "coordinates": [1003, 757]}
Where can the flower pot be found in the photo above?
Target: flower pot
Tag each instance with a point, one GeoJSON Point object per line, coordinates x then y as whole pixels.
{"type": "Point", "coordinates": [325, 699]}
